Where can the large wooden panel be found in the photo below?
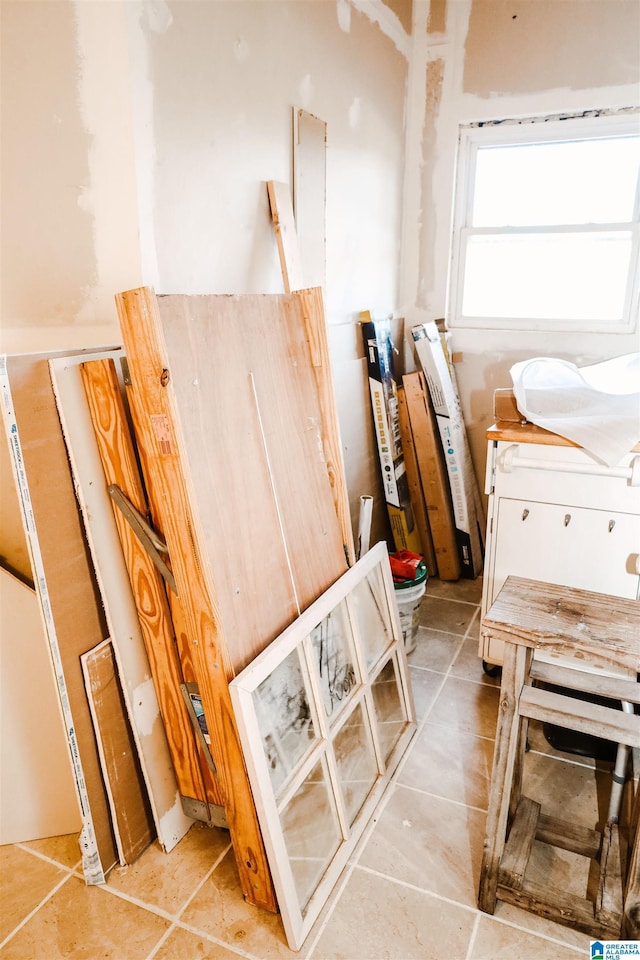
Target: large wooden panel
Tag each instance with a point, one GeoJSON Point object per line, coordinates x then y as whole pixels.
{"type": "Point", "coordinates": [64, 578]}
{"type": "Point", "coordinates": [251, 424]}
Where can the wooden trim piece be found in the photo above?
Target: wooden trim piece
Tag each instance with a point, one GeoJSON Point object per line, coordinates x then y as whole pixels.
{"type": "Point", "coordinates": [286, 236]}
{"type": "Point", "coordinates": [433, 475]}
{"type": "Point", "coordinates": [120, 467]}
{"type": "Point", "coordinates": [416, 494]}
{"type": "Point", "coordinates": [130, 812]}
{"type": "Point", "coordinates": [155, 417]}
{"type": "Point", "coordinates": [316, 327]}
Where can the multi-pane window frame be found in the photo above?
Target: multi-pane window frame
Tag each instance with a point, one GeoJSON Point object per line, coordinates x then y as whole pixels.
{"type": "Point", "coordinates": [473, 137]}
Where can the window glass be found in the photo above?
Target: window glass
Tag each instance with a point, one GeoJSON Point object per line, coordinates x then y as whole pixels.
{"type": "Point", "coordinates": [538, 184]}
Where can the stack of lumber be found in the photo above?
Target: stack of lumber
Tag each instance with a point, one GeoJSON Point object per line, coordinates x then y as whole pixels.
{"type": "Point", "coordinates": [444, 495]}
{"type": "Point", "coordinates": [76, 618]}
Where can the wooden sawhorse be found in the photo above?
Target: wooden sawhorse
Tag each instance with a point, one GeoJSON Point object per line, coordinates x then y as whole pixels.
{"type": "Point", "coordinates": [597, 632]}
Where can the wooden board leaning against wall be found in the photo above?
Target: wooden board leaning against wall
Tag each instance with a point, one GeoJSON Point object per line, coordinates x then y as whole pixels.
{"type": "Point", "coordinates": [167, 653]}
{"type": "Point", "coordinates": [233, 439]}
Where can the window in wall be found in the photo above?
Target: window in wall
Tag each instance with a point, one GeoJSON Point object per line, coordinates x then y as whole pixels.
{"type": "Point", "coordinates": [546, 231]}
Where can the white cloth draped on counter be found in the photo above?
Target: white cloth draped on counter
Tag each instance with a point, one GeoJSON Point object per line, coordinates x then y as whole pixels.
{"type": "Point", "coordinates": [597, 406]}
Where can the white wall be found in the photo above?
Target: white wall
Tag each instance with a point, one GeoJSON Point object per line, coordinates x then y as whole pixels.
{"type": "Point", "coordinates": [494, 59]}
{"type": "Point", "coordinates": [139, 135]}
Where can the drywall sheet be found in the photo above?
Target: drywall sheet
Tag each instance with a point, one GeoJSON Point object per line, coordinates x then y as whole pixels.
{"type": "Point", "coordinates": [64, 579]}
{"type": "Point", "coordinates": [130, 812]}
{"type": "Point", "coordinates": [37, 795]}
{"type": "Point", "coordinates": [119, 606]}
{"type": "Point", "coordinates": [240, 369]}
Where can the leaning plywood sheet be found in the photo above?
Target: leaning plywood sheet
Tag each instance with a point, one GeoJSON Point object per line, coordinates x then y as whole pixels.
{"type": "Point", "coordinates": [37, 795]}
{"type": "Point", "coordinates": [130, 812]}
{"type": "Point", "coordinates": [64, 579]}
{"type": "Point", "coordinates": [226, 412]}
{"type": "Point", "coordinates": [240, 370]}
{"type": "Point", "coordinates": [120, 610]}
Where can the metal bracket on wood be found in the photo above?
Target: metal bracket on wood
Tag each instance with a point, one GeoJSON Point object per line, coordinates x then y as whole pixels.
{"type": "Point", "coordinates": [209, 813]}
{"type": "Point", "coordinates": [150, 540]}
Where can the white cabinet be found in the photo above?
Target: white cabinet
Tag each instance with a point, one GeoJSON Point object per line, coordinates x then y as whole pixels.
{"type": "Point", "coordinates": [556, 514]}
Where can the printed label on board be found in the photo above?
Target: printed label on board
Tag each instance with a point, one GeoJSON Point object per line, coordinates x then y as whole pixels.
{"type": "Point", "coordinates": [160, 424]}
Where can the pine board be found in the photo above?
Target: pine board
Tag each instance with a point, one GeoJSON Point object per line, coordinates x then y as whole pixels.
{"type": "Point", "coordinates": [418, 504]}
{"type": "Point", "coordinates": [433, 475]}
{"type": "Point", "coordinates": [117, 453]}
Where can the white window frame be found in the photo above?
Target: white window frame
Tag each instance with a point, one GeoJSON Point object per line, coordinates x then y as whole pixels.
{"type": "Point", "coordinates": [534, 130]}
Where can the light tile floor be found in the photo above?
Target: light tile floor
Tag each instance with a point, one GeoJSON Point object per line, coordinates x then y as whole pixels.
{"type": "Point", "coordinates": [408, 894]}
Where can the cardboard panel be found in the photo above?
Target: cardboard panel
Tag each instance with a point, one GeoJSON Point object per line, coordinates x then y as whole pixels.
{"type": "Point", "coordinates": [131, 815]}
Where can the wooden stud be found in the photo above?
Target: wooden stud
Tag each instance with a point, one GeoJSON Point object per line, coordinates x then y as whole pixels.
{"type": "Point", "coordinates": [433, 475]}
{"type": "Point", "coordinates": [415, 486]}
{"type": "Point", "coordinates": [121, 469]}
{"type": "Point", "coordinates": [316, 327]}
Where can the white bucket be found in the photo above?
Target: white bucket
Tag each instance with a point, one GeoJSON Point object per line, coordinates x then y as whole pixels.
{"type": "Point", "coordinates": [408, 600]}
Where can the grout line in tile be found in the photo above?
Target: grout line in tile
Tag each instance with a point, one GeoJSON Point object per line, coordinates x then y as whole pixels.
{"type": "Point", "coordinates": [417, 889]}
{"type": "Point", "coordinates": [159, 911]}
{"type": "Point", "coordinates": [161, 941]}
{"type": "Point", "coordinates": [437, 796]}
{"type": "Point", "coordinates": [532, 933]}
{"type": "Point", "coordinates": [198, 932]}
{"type": "Point", "coordinates": [44, 900]}
{"type": "Point", "coordinates": [200, 885]}
{"type": "Point", "coordinates": [473, 937]}
{"type": "Point", "coordinates": [56, 863]}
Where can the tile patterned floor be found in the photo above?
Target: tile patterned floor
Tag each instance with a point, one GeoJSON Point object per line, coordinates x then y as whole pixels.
{"type": "Point", "coordinates": [410, 890]}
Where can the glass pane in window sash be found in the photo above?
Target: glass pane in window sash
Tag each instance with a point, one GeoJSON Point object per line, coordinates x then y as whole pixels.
{"type": "Point", "coordinates": [282, 705]}
{"type": "Point", "coordinates": [574, 182]}
{"type": "Point", "coordinates": [356, 762]}
{"type": "Point", "coordinates": [311, 832]}
{"type": "Point", "coordinates": [333, 649]}
{"type": "Point", "coordinates": [547, 276]}
{"type": "Point", "coordinates": [369, 602]}
{"type": "Point", "coordinates": [388, 707]}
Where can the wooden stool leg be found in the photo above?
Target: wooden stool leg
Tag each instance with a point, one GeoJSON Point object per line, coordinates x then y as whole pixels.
{"type": "Point", "coordinates": [631, 920]}
{"type": "Point", "coordinates": [508, 740]}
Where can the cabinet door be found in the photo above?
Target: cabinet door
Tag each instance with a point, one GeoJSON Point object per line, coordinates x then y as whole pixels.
{"type": "Point", "coordinates": [575, 546]}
